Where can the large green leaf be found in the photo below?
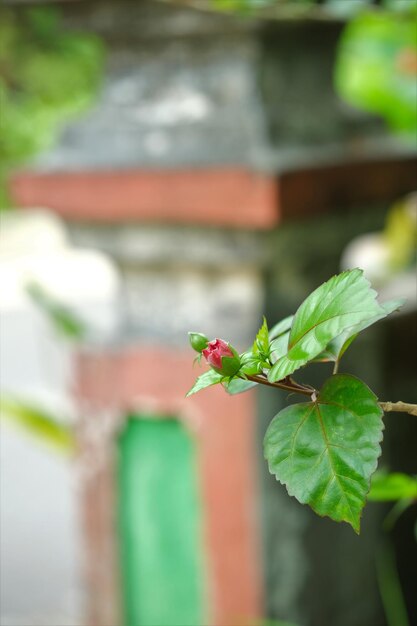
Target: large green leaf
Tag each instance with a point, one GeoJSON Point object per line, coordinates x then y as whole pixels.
{"type": "Point", "coordinates": [338, 346]}
{"type": "Point", "coordinates": [325, 451]}
{"type": "Point", "coordinates": [342, 302]}
{"type": "Point", "coordinates": [279, 346]}
{"type": "Point", "coordinates": [207, 379]}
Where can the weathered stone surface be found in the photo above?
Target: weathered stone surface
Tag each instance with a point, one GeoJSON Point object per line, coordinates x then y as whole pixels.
{"type": "Point", "coordinates": [165, 304]}
{"type": "Point", "coordinates": [188, 88]}
{"type": "Point", "coordinates": [154, 245]}
{"type": "Point", "coordinates": [176, 280]}
{"type": "Point", "coordinates": [179, 88]}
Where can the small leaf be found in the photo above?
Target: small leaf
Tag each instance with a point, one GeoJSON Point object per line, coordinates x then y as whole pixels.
{"type": "Point", "coordinates": [281, 327]}
{"type": "Point", "coordinates": [395, 486]}
{"type": "Point", "coordinates": [326, 451]}
{"type": "Point", "coordinates": [341, 303]}
{"type": "Point", "coordinates": [238, 385]}
{"type": "Point", "coordinates": [39, 423]}
{"type": "Point", "coordinates": [251, 363]}
{"type": "Point", "coordinates": [205, 380]}
{"type": "Point", "coordinates": [261, 343]}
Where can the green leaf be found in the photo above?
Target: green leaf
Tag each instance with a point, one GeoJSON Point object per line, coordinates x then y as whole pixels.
{"type": "Point", "coordinates": [261, 343]}
{"type": "Point", "coordinates": [238, 385]}
{"type": "Point", "coordinates": [281, 327]}
{"type": "Point", "coordinates": [395, 486]}
{"type": "Point", "coordinates": [39, 423]}
{"type": "Point", "coordinates": [207, 379]}
{"type": "Point", "coordinates": [341, 303]}
{"type": "Point", "coordinates": [279, 346]}
{"type": "Point", "coordinates": [326, 451]}
{"type": "Point", "coordinates": [338, 346]}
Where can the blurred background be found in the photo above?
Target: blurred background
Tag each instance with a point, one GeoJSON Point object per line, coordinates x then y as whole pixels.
{"type": "Point", "coordinates": [190, 165]}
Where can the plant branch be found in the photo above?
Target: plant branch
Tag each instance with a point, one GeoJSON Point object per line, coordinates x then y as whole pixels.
{"type": "Point", "coordinates": [399, 407]}
{"type": "Point", "coordinates": [286, 384]}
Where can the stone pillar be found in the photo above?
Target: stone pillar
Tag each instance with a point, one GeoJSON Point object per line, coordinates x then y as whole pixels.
{"type": "Point", "coordinates": [175, 279]}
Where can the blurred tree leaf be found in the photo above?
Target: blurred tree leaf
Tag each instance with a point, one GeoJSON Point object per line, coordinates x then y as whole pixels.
{"type": "Point", "coordinates": [396, 486]}
{"type": "Point", "coordinates": [390, 586]}
{"type": "Point", "coordinates": [39, 423]}
{"type": "Point", "coordinates": [47, 76]}
{"type": "Point", "coordinates": [376, 68]}
{"type": "Point", "coordinates": [65, 321]}
{"type": "Point", "coordinates": [325, 451]}
{"type": "Point", "coordinates": [400, 233]}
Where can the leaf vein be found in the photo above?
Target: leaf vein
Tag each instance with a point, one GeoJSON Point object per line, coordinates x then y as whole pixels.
{"type": "Point", "coordinates": [343, 495]}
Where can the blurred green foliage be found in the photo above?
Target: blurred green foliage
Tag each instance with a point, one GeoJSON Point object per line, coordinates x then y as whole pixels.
{"type": "Point", "coordinates": [317, 8]}
{"type": "Point", "coordinates": [66, 323]}
{"type": "Point", "coordinates": [376, 69]}
{"type": "Point", "coordinates": [38, 423]}
{"type": "Point", "coordinates": [400, 233]}
{"type": "Point", "coordinates": [390, 487]}
{"type": "Point", "coordinates": [47, 76]}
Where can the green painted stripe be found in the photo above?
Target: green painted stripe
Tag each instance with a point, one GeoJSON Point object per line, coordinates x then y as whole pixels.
{"type": "Point", "coordinates": [160, 525]}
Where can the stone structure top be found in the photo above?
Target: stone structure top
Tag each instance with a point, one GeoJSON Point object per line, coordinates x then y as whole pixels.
{"type": "Point", "coordinates": [186, 88]}
{"type": "Point", "coordinates": [213, 119]}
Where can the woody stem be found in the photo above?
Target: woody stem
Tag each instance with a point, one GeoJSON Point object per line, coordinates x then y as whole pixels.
{"type": "Point", "coordinates": [399, 407]}
{"type": "Point", "coordinates": [286, 383]}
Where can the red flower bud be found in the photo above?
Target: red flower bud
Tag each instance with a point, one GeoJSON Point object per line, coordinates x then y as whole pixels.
{"type": "Point", "coordinates": [222, 357]}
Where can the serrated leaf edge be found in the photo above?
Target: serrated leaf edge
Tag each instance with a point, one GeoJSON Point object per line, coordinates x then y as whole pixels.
{"type": "Point", "coordinates": [356, 528]}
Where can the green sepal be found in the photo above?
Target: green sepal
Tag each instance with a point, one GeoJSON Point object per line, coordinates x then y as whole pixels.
{"type": "Point", "coordinates": [230, 364]}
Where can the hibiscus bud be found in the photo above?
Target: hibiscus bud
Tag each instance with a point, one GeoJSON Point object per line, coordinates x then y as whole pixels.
{"type": "Point", "coordinates": [222, 357]}
{"type": "Point", "coordinates": [198, 341]}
